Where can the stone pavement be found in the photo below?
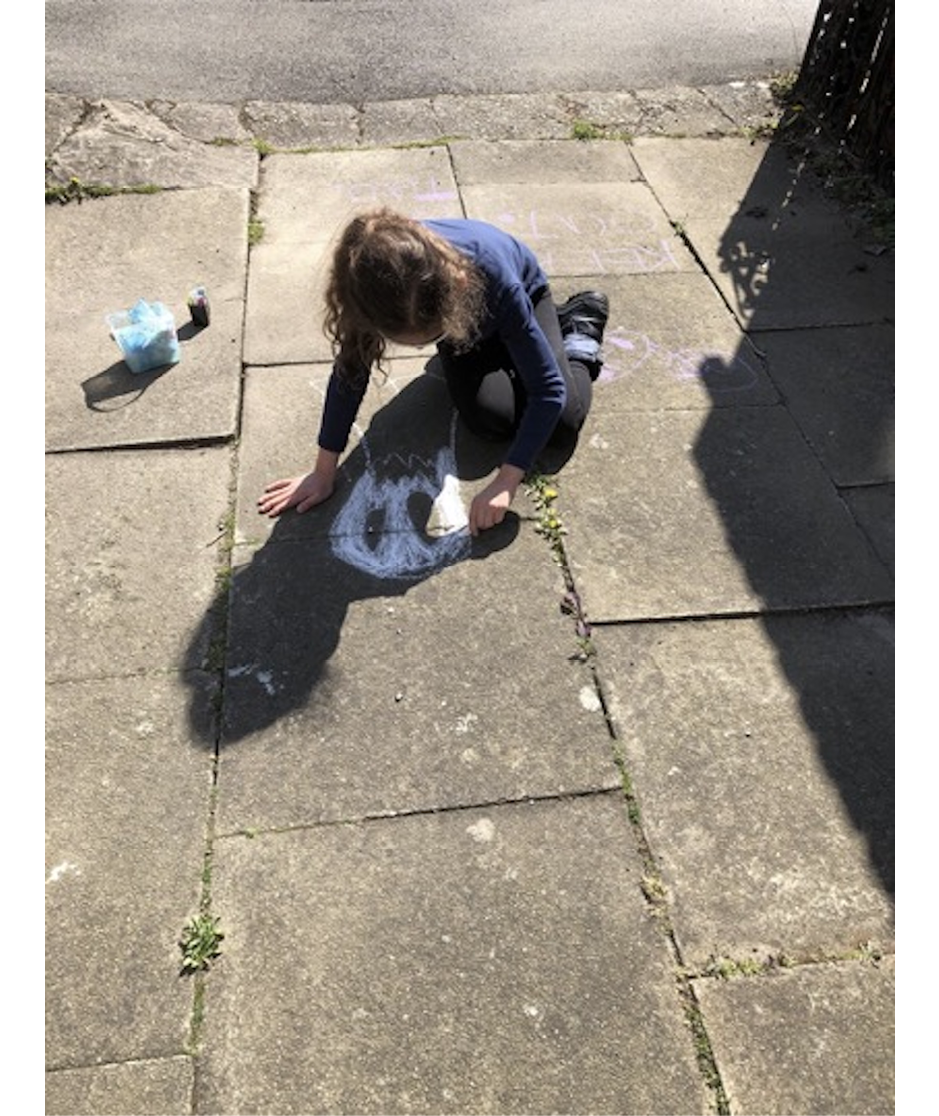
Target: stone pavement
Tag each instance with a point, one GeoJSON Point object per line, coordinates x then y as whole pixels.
{"type": "Point", "coordinates": [591, 822]}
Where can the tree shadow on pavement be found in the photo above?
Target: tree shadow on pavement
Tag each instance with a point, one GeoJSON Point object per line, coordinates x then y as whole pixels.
{"type": "Point", "coordinates": [804, 489]}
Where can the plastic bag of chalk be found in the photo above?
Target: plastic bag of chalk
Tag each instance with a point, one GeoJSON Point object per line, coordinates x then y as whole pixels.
{"type": "Point", "coordinates": [146, 335]}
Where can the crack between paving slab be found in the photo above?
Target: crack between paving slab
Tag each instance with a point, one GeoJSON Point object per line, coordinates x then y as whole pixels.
{"type": "Point", "coordinates": [137, 1060]}
{"type": "Point", "coordinates": [679, 230]}
{"type": "Point", "coordinates": [683, 236]}
{"type": "Point", "coordinates": [214, 666]}
{"type": "Point", "coordinates": [655, 893]}
{"type": "Point", "coordinates": [750, 614]}
{"type": "Point", "coordinates": [214, 663]}
{"type": "Point", "coordinates": [543, 492]}
{"type": "Point", "coordinates": [169, 443]}
{"type": "Point", "coordinates": [423, 812]}
{"type": "Point", "coordinates": [719, 108]}
{"type": "Point", "coordinates": [448, 147]}
{"type": "Point", "coordinates": [432, 104]}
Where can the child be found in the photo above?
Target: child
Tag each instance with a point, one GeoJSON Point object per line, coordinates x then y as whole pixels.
{"type": "Point", "coordinates": [517, 367]}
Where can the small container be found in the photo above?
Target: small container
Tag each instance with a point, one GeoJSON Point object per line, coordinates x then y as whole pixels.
{"type": "Point", "coordinates": [198, 303]}
{"type": "Point", "coordinates": [146, 335]}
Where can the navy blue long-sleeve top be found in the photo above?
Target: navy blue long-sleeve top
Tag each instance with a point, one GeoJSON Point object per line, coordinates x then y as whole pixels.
{"type": "Point", "coordinates": [513, 277]}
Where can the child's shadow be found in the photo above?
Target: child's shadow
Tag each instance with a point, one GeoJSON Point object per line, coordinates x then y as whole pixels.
{"type": "Point", "coordinates": [284, 614]}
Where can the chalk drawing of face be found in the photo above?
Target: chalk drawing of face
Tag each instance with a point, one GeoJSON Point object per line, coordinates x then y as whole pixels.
{"type": "Point", "coordinates": [404, 517]}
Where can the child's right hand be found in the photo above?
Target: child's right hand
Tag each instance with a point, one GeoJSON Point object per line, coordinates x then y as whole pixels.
{"type": "Point", "coordinates": [302, 493]}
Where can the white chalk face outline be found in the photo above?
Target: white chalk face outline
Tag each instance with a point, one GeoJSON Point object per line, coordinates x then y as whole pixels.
{"type": "Point", "coordinates": [378, 529]}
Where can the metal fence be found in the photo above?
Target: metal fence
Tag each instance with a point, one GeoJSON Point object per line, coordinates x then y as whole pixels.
{"type": "Point", "coordinates": [846, 82]}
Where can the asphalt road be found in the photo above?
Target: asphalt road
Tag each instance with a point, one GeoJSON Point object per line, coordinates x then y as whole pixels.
{"type": "Point", "coordinates": [353, 51]}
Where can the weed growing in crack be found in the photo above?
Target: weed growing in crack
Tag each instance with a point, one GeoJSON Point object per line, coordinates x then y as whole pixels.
{"type": "Point", "coordinates": [655, 892]}
{"type": "Point", "coordinates": [200, 943]}
{"type": "Point", "coordinates": [589, 130]}
{"type": "Point", "coordinates": [255, 231]}
{"type": "Point", "coordinates": [543, 493]}
{"type": "Point", "coordinates": [586, 130]}
{"type": "Point", "coordinates": [78, 191]}
{"type": "Point", "coordinates": [726, 968]}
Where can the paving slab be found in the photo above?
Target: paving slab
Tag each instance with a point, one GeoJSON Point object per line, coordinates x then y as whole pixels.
{"type": "Point", "coordinates": [761, 751]}
{"type": "Point", "coordinates": [717, 178]}
{"type": "Point", "coordinates": [720, 512]}
{"type": "Point", "coordinates": [131, 559]}
{"type": "Point", "coordinates": [483, 961]}
{"type": "Point", "coordinates": [304, 202]}
{"type": "Point", "coordinates": [780, 251]}
{"type": "Point", "coordinates": [540, 162]}
{"type": "Point", "coordinates": [124, 145]}
{"type": "Point", "coordinates": [104, 255]}
{"type": "Point", "coordinates": [616, 114]}
{"type": "Point", "coordinates": [677, 111]}
{"type": "Point", "coordinates": [145, 1088]}
{"type": "Point", "coordinates": [293, 124]}
{"type": "Point", "coordinates": [669, 111]}
{"type": "Point", "coordinates": [210, 122]}
{"type": "Point", "coordinates": [749, 104]}
{"type": "Point", "coordinates": [306, 198]}
{"type": "Point", "coordinates": [127, 796]}
{"type": "Point", "coordinates": [590, 228]}
{"type": "Point", "coordinates": [816, 1039]}
{"type": "Point", "coordinates": [672, 344]}
{"type": "Point", "coordinates": [392, 123]}
{"type": "Point", "coordinates": [502, 116]}
{"type": "Point", "coordinates": [350, 694]}
{"type": "Point", "coordinates": [838, 385]}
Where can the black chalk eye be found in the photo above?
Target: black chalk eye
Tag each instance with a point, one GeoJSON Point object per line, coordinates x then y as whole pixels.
{"type": "Point", "coordinates": [374, 524]}
{"type": "Point", "coordinates": [419, 508]}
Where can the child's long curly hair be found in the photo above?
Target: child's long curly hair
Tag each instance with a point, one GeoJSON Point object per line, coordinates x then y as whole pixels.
{"type": "Point", "coordinates": [392, 277]}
